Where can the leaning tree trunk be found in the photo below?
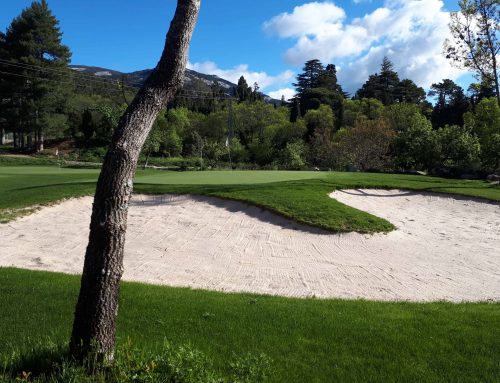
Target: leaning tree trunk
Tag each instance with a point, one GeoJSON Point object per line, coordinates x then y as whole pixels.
{"type": "Point", "coordinates": [96, 310]}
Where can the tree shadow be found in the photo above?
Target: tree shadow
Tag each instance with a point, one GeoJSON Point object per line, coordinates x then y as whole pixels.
{"type": "Point", "coordinates": [39, 360]}
{"type": "Point", "coordinates": [83, 183]}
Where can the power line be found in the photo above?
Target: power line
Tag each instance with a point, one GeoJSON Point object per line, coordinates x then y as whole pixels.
{"type": "Point", "coordinates": [57, 71]}
{"type": "Point", "coordinates": [90, 77]}
{"type": "Point", "coordinates": [87, 86]}
{"type": "Point", "coordinates": [185, 93]}
{"type": "Point", "coordinates": [69, 76]}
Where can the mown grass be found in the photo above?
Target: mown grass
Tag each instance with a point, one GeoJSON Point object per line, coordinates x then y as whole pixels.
{"type": "Point", "coordinates": [306, 340]}
{"type": "Point", "coordinates": [24, 160]}
{"type": "Point", "coordinates": [301, 196]}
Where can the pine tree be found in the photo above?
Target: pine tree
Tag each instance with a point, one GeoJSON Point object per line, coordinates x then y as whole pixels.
{"type": "Point", "coordinates": [316, 86]}
{"type": "Point", "coordinates": [256, 95]}
{"type": "Point", "coordinates": [407, 91]}
{"type": "Point", "coordinates": [97, 307]}
{"type": "Point", "coordinates": [309, 76]}
{"type": "Point", "coordinates": [243, 91]}
{"type": "Point", "coordinates": [387, 88]}
{"type": "Point", "coordinates": [39, 61]}
{"type": "Point", "coordinates": [327, 78]}
{"type": "Point", "coordinates": [381, 86]}
{"type": "Point", "coordinates": [283, 101]}
{"type": "Point", "coordinates": [450, 106]}
{"type": "Point", "coordinates": [87, 126]}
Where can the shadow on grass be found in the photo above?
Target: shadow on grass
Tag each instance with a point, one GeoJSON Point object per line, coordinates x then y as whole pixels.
{"type": "Point", "coordinates": [261, 213]}
{"type": "Point", "coordinates": [51, 363]}
{"type": "Point", "coordinates": [362, 192]}
{"type": "Point", "coordinates": [81, 184]}
{"type": "Point", "coordinates": [41, 360]}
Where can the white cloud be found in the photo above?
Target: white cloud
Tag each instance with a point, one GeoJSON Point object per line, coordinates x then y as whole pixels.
{"type": "Point", "coordinates": [410, 32]}
{"type": "Point", "coordinates": [287, 92]}
{"type": "Point", "coordinates": [233, 74]}
{"type": "Point", "coordinates": [307, 19]}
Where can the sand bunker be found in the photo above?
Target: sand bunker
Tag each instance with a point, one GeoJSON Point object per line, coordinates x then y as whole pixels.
{"type": "Point", "coordinates": [445, 248]}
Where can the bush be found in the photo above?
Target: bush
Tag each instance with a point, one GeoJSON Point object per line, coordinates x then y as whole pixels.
{"type": "Point", "coordinates": [174, 163]}
{"type": "Point", "coordinates": [366, 145]}
{"type": "Point", "coordinates": [459, 149]}
{"type": "Point", "coordinates": [416, 147]}
{"type": "Point", "coordinates": [292, 157]}
{"type": "Point", "coordinates": [485, 123]}
{"type": "Point", "coordinates": [491, 153]}
{"type": "Point", "coordinates": [94, 154]}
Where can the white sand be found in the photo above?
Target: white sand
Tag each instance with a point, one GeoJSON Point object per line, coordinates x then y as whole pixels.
{"type": "Point", "coordinates": [445, 248]}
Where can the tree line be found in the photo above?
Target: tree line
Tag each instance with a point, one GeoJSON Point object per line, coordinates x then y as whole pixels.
{"type": "Point", "coordinates": [388, 124]}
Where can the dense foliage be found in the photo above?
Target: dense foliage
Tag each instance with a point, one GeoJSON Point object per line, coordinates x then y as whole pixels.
{"type": "Point", "coordinates": [388, 125]}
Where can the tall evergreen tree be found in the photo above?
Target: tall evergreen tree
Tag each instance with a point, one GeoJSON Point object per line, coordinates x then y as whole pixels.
{"type": "Point", "coordinates": [283, 101]}
{"type": "Point", "coordinates": [243, 91]}
{"type": "Point", "coordinates": [309, 76]}
{"type": "Point", "coordinates": [40, 82]}
{"type": "Point", "coordinates": [256, 95]}
{"type": "Point", "coordinates": [383, 86]}
{"type": "Point", "coordinates": [316, 86]}
{"type": "Point", "coordinates": [451, 104]}
{"type": "Point", "coordinates": [387, 87]}
{"type": "Point", "coordinates": [87, 126]}
{"type": "Point", "coordinates": [409, 92]}
{"type": "Point", "coordinates": [97, 307]}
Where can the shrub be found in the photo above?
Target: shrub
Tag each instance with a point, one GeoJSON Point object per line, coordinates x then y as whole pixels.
{"type": "Point", "coordinates": [416, 146]}
{"type": "Point", "coordinates": [366, 145]}
{"type": "Point", "coordinates": [292, 157]}
{"type": "Point", "coordinates": [485, 123]}
{"type": "Point", "coordinates": [459, 149]}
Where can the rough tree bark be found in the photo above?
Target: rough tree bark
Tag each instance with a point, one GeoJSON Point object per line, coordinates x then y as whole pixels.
{"type": "Point", "coordinates": [97, 306]}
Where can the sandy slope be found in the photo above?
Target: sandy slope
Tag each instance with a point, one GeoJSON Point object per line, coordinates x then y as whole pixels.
{"type": "Point", "coordinates": [445, 248]}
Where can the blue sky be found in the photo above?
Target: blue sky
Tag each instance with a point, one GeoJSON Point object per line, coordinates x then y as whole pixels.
{"type": "Point", "coordinates": [266, 40]}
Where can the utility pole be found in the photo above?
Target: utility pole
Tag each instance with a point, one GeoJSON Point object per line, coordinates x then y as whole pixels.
{"type": "Point", "coordinates": [230, 133]}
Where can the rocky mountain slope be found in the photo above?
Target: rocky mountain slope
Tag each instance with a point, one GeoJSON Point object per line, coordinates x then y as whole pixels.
{"type": "Point", "coordinates": [194, 81]}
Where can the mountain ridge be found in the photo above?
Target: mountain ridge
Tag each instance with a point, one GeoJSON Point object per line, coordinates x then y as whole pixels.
{"type": "Point", "coordinates": [135, 79]}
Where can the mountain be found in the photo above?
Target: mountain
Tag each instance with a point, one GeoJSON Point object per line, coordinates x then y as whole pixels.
{"type": "Point", "coordinates": [136, 79]}
{"type": "Point", "coordinates": [194, 81]}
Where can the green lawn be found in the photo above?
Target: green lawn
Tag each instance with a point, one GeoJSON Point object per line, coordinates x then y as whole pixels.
{"type": "Point", "coordinates": [301, 196]}
{"type": "Point", "coordinates": [307, 340]}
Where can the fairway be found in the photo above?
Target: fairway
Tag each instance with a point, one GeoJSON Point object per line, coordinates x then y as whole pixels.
{"type": "Point", "coordinates": [300, 196]}
{"type": "Point", "coordinates": [235, 177]}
